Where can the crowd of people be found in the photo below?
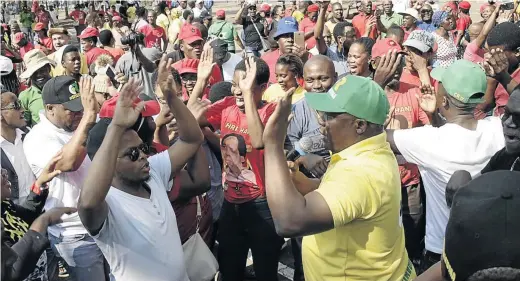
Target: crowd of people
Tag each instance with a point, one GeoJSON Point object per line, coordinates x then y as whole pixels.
{"type": "Point", "coordinates": [380, 140]}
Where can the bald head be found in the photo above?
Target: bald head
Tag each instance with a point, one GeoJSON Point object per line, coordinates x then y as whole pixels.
{"type": "Point", "coordinates": [319, 74]}
{"type": "Point", "coordinates": [475, 29]}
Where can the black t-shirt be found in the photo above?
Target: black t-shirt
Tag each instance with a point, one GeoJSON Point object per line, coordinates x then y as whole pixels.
{"type": "Point", "coordinates": [252, 38]}
{"type": "Point", "coordinates": [501, 161]}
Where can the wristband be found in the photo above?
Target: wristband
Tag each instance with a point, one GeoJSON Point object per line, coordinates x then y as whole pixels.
{"type": "Point", "coordinates": [38, 189]}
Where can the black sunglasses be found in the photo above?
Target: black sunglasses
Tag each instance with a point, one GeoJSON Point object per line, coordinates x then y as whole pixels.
{"type": "Point", "coordinates": [14, 105]}
{"type": "Point", "coordinates": [426, 11]}
{"type": "Point", "coordinates": [133, 152]}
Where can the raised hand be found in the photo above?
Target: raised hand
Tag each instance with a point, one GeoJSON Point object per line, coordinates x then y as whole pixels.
{"type": "Point", "coordinates": [387, 67]}
{"type": "Point", "coordinates": [206, 64]}
{"type": "Point", "coordinates": [495, 62]}
{"type": "Point", "coordinates": [127, 111]}
{"type": "Point", "coordinates": [299, 51]}
{"type": "Point", "coordinates": [276, 127]}
{"type": "Point", "coordinates": [428, 100]}
{"type": "Point", "coordinates": [371, 22]}
{"type": "Point", "coordinates": [49, 172]}
{"type": "Point", "coordinates": [165, 79]}
{"type": "Point", "coordinates": [247, 80]}
{"type": "Point", "coordinates": [88, 98]}
{"type": "Point", "coordinates": [164, 117]}
{"type": "Point", "coordinates": [418, 62]}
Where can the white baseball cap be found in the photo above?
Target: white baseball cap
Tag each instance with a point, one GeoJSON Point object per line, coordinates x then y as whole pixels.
{"type": "Point", "coordinates": [412, 12]}
{"type": "Point", "coordinates": [6, 65]}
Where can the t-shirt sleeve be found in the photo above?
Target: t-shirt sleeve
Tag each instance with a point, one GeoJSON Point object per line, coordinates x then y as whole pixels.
{"type": "Point", "coordinates": [214, 113]}
{"type": "Point", "coordinates": [267, 111]}
{"type": "Point", "coordinates": [461, 24]}
{"type": "Point", "coordinates": [295, 128]}
{"type": "Point", "coordinates": [493, 163]}
{"type": "Point", "coordinates": [416, 144]}
{"type": "Point", "coordinates": [216, 75]}
{"type": "Point", "coordinates": [161, 168]}
{"type": "Point", "coordinates": [39, 155]}
{"type": "Point", "coordinates": [349, 199]}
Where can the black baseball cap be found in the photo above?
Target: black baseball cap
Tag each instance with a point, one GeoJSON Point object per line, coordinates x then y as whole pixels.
{"type": "Point", "coordinates": [63, 90]}
{"type": "Point", "coordinates": [219, 46]}
{"type": "Point", "coordinates": [483, 228]}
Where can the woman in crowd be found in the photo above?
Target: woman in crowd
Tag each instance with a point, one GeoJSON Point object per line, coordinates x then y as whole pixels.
{"type": "Point", "coordinates": [289, 74]}
{"type": "Point", "coordinates": [359, 56]}
{"type": "Point", "coordinates": [446, 49]}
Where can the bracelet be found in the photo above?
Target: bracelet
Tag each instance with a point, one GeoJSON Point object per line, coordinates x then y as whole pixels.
{"type": "Point", "coordinates": [38, 189]}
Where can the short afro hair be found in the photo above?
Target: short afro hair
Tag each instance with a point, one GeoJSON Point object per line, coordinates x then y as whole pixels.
{"type": "Point", "coordinates": [506, 34]}
{"type": "Point", "coordinates": [339, 29]}
{"type": "Point", "coordinates": [105, 36]}
{"type": "Point", "coordinates": [262, 70]}
{"type": "Point", "coordinates": [395, 30]}
{"type": "Point", "coordinates": [294, 63]}
{"type": "Point", "coordinates": [140, 12]}
{"type": "Point", "coordinates": [367, 43]}
{"type": "Point", "coordinates": [219, 91]}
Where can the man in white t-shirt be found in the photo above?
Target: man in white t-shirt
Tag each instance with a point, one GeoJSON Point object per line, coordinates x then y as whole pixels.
{"type": "Point", "coordinates": [226, 60]}
{"type": "Point", "coordinates": [124, 204]}
{"type": "Point", "coordinates": [462, 143]}
{"type": "Point", "coordinates": [68, 116]}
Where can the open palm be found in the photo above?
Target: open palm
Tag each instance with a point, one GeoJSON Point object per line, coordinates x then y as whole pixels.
{"type": "Point", "coordinates": [248, 79]}
{"type": "Point", "coordinates": [127, 111]}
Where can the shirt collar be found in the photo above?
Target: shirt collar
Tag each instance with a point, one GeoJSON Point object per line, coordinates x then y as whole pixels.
{"type": "Point", "coordinates": [45, 122]}
{"type": "Point", "coordinates": [18, 138]}
{"type": "Point", "coordinates": [369, 144]}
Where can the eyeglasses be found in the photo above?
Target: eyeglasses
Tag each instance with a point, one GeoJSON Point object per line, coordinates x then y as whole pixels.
{"type": "Point", "coordinates": [133, 152]}
{"type": "Point", "coordinates": [14, 105]}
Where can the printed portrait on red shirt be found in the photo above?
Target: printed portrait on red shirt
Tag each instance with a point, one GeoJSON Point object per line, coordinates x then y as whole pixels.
{"type": "Point", "coordinates": [237, 168]}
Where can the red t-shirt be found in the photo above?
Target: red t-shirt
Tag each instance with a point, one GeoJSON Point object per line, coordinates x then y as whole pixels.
{"type": "Point", "coordinates": [186, 212]}
{"type": "Point", "coordinates": [43, 17]}
{"type": "Point", "coordinates": [78, 16]}
{"type": "Point", "coordinates": [114, 13]}
{"type": "Point", "coordinates": [115, 52]}
{"type": "Point", "coordinates": [216, 76]}
{"type": "Point", "coordinates": [474, 53]}
{"type": "Point", "coordinates": [359, 22]}
{"type": "Point", "coordinates": [153, 35]}
{"type": "Point", "coordinates": [243, 171]}
{"type": "Point", "coordinates": [270, 59]}
{"type": "Point", "coordinates": [406, 113]}
{"type": "Point", "coordinates": [463, 22]}
{"type": "Point", "coordinates": [305, 26]}
{"type": "Point", "coordinates": [501, 95]}
{"type": "Point", "coordinates": [47, 43]}
{"type": "Point", "coordinates": [93, 53]}
{"type": "Point", "coordinates": [411, 80]}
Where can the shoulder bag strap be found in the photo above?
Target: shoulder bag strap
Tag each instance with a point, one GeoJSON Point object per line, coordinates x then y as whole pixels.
{"type": "Point", "coordinates": [199, 214]}
{"type": "Point", "coordinates": [256, 28]}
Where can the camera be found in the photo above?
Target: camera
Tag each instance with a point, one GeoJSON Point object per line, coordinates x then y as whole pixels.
{"type": "Point", "coordinates": [132, 39]}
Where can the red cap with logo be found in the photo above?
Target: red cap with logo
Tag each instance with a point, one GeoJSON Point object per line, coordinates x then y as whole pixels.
{"type": "Point", "coordinates": [313, 8]}
{"type": "Point", "coordinates": [382, 47]}
{"type": "Point", "coordinates": [89, 32]}
{"type": "Point", "coordinates": [108, 108]}
{"type": "Point", "coordinates": [265, 8]}
{"type": "Point", "coordinates": [187, 66]}
{"type": "Point", "coordinates": [39, 26]}
{"type": "Point", "coordinates": [465, 5]}
{"type": "Point", "coordinates": [190, 34]}
{"type": "Point", "coordinates": [221, 14]}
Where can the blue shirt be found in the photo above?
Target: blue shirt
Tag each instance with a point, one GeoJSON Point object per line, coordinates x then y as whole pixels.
{"type": "Point", "coordinates": [426, 26]}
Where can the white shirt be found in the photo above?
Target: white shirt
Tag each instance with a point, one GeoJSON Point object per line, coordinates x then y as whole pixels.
{"type": "Point", "coordinates": [139, 237]}
{"type": "Point", "coordinates": [16, 156]}
{"type": "Point", "coordinates": [228, 68]}
{"type": "Point", "coordinates": [439, 152]}
{"type": "Point", "coordinates": [197, 11]}
{"type": "Point", "coordinates": [41, 144]}
{"type": "Point", "coordinates": [401, 5]}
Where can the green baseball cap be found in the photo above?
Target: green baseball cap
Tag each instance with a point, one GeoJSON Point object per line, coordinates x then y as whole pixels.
{"type": "Point", "coordinates": [355, 95]}
{"type": "Point", "coordinates": [463, 80]}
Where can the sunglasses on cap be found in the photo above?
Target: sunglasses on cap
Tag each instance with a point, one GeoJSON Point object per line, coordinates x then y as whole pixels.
{"type": "Point", "coordinates": [134, 152]}
{"type": "Point", "coordinates": [16, 105]}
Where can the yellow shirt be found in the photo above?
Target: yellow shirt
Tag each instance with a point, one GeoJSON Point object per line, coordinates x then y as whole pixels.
{"type": "Point", "coordinates": [362, 188]}
{"type": "Point", "coordinates": [298, 15]}
{"type": "Point", "coordinates": [58, 70]}
{"type": "Point", "coordinates": [163, 21]}
{"type": "Point", "coordinates": [275, 91]}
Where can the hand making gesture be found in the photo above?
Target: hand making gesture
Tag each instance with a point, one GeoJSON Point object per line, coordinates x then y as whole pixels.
{"type": "Point", "coordinates": [276, 127]}
{"type": "Point", "coordinates": [127, 111]}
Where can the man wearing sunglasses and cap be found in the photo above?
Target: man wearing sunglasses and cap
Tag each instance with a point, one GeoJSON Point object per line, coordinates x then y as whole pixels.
{"type": "Point", "coordinates": [350, 218]}
{"type": "Point", "coordinates": [70, 112]}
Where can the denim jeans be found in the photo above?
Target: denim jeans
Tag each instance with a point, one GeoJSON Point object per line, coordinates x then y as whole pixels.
{"type": "Point", "coordinates": [248, 226]}
{"type": "Point", "coordinates": [80, 252]}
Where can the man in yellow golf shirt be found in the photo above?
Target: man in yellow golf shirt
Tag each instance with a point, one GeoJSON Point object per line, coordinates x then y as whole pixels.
{"type": "Point", "coordinates": [351, 217]}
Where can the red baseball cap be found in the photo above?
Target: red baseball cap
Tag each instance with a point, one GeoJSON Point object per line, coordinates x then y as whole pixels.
{"type": "Point", "coordinates": [187, 66]}
{"type": "Point", "coordinates": [190, 34]}
{"type": "Point", "coordinates": [465, 5]}
{"type": "Point", "coordinates": [89, 32]}
{"type": "Point", "coordinates": [265, 8]}
{"type": "Point", "coordinates": [221, 14]}
{"type": "Point", "coordinates": [116, 18]}
{"type": "Point", "coordinates": [382, 47]}
{"type": "Point", "coordinates": [18, 37]}
{"type": "Point", "coordinates": [108, 108]}
{"type": "Point", "coordinates": [313, 8]}
{"type": "Point", "coordinates": [39, 26]}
